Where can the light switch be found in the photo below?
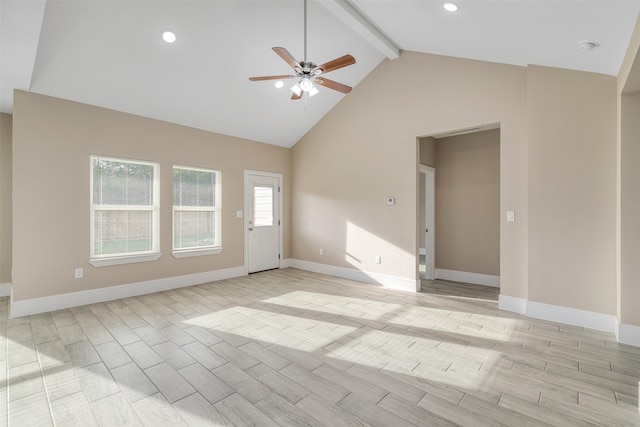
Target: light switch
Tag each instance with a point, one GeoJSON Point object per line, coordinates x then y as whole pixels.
{"type": "Point", "coordinates": [238, 214]}
{"type": "Point", "coordinates": [511, 216]}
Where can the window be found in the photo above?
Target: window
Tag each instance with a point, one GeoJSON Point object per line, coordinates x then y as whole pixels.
{"type": "Point", "coordinates": [124, 211]}
{"type": "Point", "coordinates": [196, 211]}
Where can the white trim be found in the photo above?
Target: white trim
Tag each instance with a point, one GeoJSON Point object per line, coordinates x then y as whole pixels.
{"type": "Point", "coordinates": [74, 299]}
{"type": "Point", "coordinates": [392, 282]}
{"type": "Point", "coordinates": [628, 334]}
{"type": "Point", "coordinates": [466, 277]}
{"type": "Point", "coordinates": [128, 259]}
{"type": "Point", "coordinates": [185, 253]}
{"type": "Point", "coordinates": [429, 220]}
{"type": "Point", "coordinates": [5, 289]}
{"type": "Point", "coordinates": [572, 316]}
{"type": "Point", "coordinates": [514, 304]}
{"type": "Point", "coordinates": [422, 251]}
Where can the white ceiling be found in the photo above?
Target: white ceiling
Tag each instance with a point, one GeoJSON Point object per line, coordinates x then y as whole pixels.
{"type": "Point", "coordinates": [110, 53]}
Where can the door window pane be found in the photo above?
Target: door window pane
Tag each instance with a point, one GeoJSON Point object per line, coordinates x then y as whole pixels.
{"type": "Point", "coordinates": [262, 206]}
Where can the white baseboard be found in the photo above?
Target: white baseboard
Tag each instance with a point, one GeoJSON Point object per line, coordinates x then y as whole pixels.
{"type": "Point", "coordinates": [514, 304]}
{"type": "Point", "coordinates": [5, 289]}
{"type": "Point", "coordinates": [463, 276]}
{"type": "Point", "coordinates": [285, 263]}
{"type": "Point", "coordinates": [392, 282]}
{"type": "Point", "coordinates": [74, 299]}
{"type": "Point", "coordinates": [628, 334]}
{"type": "Point", "coordinates": [572, 316]}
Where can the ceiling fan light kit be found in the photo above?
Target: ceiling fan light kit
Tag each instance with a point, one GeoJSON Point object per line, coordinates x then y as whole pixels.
{"type": "Point", "coordinates": [307, 72]}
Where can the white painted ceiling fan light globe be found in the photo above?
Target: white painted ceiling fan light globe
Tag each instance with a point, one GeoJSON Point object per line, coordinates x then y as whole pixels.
{"type": "Point", "coordinates": [306, 85]}
{"type": "Point", "coordinates": [450, 7]}
{"type": "Point", "coordinates": [169, 36]}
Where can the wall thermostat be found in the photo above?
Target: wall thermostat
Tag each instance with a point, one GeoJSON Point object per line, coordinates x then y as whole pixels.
{"type": "Point", "coordinates": [391, 200]}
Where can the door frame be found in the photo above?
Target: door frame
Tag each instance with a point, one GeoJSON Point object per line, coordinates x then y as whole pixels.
{"type": "Point", "coordinates": [245, 222]}
{"type": "Point", "coordinates": [429, 220]}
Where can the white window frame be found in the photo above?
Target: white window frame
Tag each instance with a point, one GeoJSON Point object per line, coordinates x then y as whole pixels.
{"type": "Point", "coordinates": [216, 246]}
{"type": "Point", "coordinates": [132, 257]}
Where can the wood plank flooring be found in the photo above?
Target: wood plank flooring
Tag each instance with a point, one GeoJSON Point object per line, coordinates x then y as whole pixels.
{"type": "Point", "coordinates": [288, 347]}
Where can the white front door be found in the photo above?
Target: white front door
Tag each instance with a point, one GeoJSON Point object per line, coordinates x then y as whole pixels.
{"type": "Point", "coordinates": [262, 208]}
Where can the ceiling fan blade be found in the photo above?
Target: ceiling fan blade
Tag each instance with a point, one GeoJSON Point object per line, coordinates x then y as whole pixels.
{"type": "Point", "coordinates": [288, 58]}
{"type": "Point", "coordinates": [257, 79]}
{"type": "Point", "coordinates": [295, 96]}
{"type": "Point", "coordinates": [337, 63]}
{"type": "Point", "coordinates": [332, 85]}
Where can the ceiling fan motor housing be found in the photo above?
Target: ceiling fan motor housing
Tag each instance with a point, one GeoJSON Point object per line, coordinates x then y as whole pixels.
{"type": "Point", "coordinates": [306, 67]}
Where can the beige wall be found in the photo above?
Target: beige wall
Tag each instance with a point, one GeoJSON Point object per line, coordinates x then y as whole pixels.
{"type": "Point", "coordinates": [557, 170]}
{"type": "Point", "coordinates": [365, 149]}
{"type": "Point", "coordinates": [468, 202]}
{"type": "Point", "coordinates": [557, 166]}
{"type": "Point", "coordinates": [572, 188]}
{"type": "Point", "coordinates": [5, 197]}
{"type": "Point", "coordinates": [53, 140]}
{"type": "Point", "coordinates": [427, 151]}
{"type": "Point", "coordinates": [628, 284]}
{"type": "Point", "coordinates": [630, 210]}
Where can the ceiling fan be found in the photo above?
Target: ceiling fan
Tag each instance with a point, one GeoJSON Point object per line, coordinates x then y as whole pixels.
{"type": "Point", "coordinates": [307, 72]}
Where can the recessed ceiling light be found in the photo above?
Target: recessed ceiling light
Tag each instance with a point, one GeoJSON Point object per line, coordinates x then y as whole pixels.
{"type": "Point", "coordinates": [169, 36]}
{"type": "Point", "coordinates": [450, 7]}
{"type": "Point", "coordinates": [587, 46]}
{"type": "Point", "coordinates": [279, 84]}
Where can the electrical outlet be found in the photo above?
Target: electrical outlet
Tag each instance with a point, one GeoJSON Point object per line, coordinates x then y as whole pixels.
{"type": "Point", "coordinates": [321, 251]}
{"type": "Point", "coordinates": [79, 273]}
{"type": "Point", "coordinates": [378, 259]}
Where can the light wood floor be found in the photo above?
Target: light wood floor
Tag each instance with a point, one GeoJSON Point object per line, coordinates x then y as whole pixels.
{"type": "Point", "coordinates": [288, 347]}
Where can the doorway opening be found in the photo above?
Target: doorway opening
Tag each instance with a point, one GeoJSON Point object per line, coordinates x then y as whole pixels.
{"type": "Point", "coordinates": [459, 206]}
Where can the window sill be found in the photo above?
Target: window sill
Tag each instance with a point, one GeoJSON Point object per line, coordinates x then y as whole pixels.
{"type": "Point", "coordinates": [196, 252]}
{"type": "Point", "coordinates": [129, 259]}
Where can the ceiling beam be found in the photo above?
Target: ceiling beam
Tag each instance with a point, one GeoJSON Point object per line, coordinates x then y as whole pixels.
{"type": "Point", "coordinates": [346, 12]}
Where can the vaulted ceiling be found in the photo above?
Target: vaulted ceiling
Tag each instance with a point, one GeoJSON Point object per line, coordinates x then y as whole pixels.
{"type": "Point", "coordinates": [111, 54]}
